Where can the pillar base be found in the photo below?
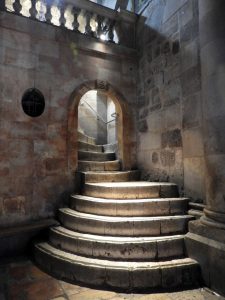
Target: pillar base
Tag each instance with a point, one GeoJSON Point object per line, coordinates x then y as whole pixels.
{"type": "Point", "coordinates": [213, 218]}
{"type": "Point", "coordinates": [206, 244]}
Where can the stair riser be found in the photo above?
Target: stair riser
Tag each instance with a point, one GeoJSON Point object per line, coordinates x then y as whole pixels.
{"type": "Point", "coordinates": [124, 228]}
{"type": "Point", "coordinates": [132, 209]}
{"type": "Point", "coordinates": [86, 139]}
{"type": "Point", "coordinates": [136, 192]}
{"type": "Point", "coordinates": [139, 251]}
{"type": "Point", "coordinates": [125, 279]}
{"type": "Point", "coordinates": [99, 166]}
{"type": "Point", "coordinates": [88, 147]}
{"type": "Point", "coordinates": [110, 148]}
{"type": "Point", "coordinates": [117, 177]}
{"type": "Point", "coordinates": [91, 156]}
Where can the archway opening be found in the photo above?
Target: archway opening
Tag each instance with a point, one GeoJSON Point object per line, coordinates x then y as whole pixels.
{"type": "Point", "coordinates": [125, 132]}
{"type": "Point", "coordinates": [97, 117]}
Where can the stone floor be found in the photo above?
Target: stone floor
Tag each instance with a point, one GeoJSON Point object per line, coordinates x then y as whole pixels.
{"type": "Point", "coordinates": [22, 280]}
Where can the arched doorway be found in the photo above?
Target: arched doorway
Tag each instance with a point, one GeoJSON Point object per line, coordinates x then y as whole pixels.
{"type": "Point", "coordinates": [97, 118]}
{"type": "Point", "coordinates": [125, 131]}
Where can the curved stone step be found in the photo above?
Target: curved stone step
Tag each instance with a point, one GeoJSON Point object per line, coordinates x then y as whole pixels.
{"type": "Point", "coordinates": [96, 156]}
{"type": "Point", "coordinates": [131, 190]}
{"type": "Point", "coordinates": [82, 146]}
{"type": "Point", "coordinates": [123, 226]}
{"type": "Point", "coordinates": [195, 213]}
{"type": "Point", "coordinates": [110, 147]}
{"type": "Point", "coordinates": [98, 166]}
{"type": "Point", "coordinates": [118, 248]}
{"type": "Point", "coordinates": [113, 176]}
{"type": "Point", "coordinates": [129, 208]}
{"type": "Point", "coordinates": [81, 137]}
{"type": "Point", "coordinates": [196, 206]}
{"type": "Point", "coordinates": [109, 274]}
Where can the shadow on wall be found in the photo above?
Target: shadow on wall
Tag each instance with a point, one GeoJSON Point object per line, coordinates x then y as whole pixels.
{"type": "Point", "coordinates": [170, 146]}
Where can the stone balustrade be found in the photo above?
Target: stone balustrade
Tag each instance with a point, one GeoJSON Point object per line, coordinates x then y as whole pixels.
{"type": "Point", "coordinates": [81, 16]}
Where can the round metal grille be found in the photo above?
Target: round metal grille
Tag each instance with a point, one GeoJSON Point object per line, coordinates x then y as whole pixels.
{"type": "Point", "coordinates": [33, 102]}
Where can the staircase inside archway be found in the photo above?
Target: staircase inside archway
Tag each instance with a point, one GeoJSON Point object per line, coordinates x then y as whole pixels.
{"type": "Point", "coordinates": [119, 232]}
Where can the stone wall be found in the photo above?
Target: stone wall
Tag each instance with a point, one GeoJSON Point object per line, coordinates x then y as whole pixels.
{"type": "Point", "coordinates": [170, 143]}
{"type": "Point", "coordinates": [111, 127]}
{"type": "Point", "coordinates": [34, 175]}
{"type": "Point", "coordinates": [101, 121]}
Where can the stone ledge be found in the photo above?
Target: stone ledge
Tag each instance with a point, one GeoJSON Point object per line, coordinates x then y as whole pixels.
{"type": "Point", "coordinates": [15, 241]}
{"type": "Point", "coordinates": [34, 226]}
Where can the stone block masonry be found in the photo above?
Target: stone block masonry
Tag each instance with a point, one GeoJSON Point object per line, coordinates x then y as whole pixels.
{"type": "Point", "coordinates": [35, 177]}
{"type": "Point", "coordinates": [169, 95]}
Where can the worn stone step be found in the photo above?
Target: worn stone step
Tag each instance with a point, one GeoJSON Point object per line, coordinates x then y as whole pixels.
{"type": "Point", "coordinates": [118, 248]}
{"type": "Point", "coordinates": [116, 274]}
{"type": "Point", "coordinates": [131, 190]}
{"type": "Point", "coordinates": [196, 206]}
{"type": "Point", "coordinates": [85, 138]}
{"type": "Point", "coordinates": [195, 213]}
{"type": "Point", "coordinates": [129, 208]}
{"type": "Point", "coordinates": [123, 226]}
{"type": "Point", "coordinates": [110, 147]}
{"type": "Point", "coordinates": [98, 165]}
{"type": "Point", "coordinates": [96, 156]}
{"type": "Point", "coordinates": [113, 176]}
{"type": "Point", "coordinates": [82, 146]}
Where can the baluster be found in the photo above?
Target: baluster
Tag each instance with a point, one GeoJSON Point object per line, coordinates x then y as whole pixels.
{"type": "Point", "coordinates": [48, 15]}
{"type": "Point", "coordinates": [2, 5]}
{"type": "Point", "coordinates": [105, 29]}
{"type": "Point", "coordinates": [99, 30]}
{"type": "Point", "coordinates": [93, 25]}
{"type": "Point", "coordinates": [33, 10]}
{"type": "Point", "coordinates": [111, 29]}
{"type": "Point", "coordinates": [88, 26]}
{"type": "Point", "coordinates": [76, 12]}
{"type": "Point", "coordinates": [41, 10]}
{"type": "Point", "coordinates": [62, 19]}
{"type": "Point", "coordinates": [17, 6]}
{"type": "Point", "coordinates": [117, 28]}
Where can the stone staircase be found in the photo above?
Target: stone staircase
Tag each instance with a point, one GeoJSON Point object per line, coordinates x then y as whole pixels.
{"type": "Point", "coordinates": [119, 233]}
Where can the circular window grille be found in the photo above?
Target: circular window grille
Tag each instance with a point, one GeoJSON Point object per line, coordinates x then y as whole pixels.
{"type": "Point", "coordinates": [33, 102]}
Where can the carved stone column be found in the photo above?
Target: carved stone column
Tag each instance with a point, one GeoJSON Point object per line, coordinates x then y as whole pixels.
{"type": "Point", "coordinates": [206, 240]}
{"type": "Point", "coordinates": [212, 49]}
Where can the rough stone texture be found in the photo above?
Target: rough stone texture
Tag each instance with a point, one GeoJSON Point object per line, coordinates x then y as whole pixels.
{"type": "Point", "coordinates": [35, 174]}
{"type": "Point", "coordinates": [169, 95]}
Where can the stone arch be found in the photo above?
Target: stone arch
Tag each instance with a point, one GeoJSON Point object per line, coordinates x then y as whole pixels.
{"type": "Point", "coordinates": [125, 123]}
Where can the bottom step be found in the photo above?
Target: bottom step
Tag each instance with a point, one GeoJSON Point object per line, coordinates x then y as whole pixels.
{"type": "Point", "coordinates": [180, 273]}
